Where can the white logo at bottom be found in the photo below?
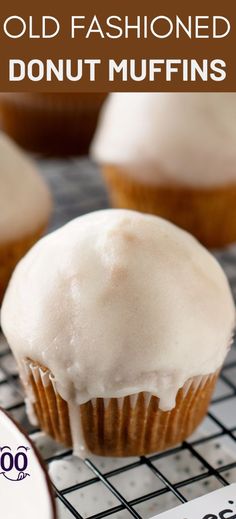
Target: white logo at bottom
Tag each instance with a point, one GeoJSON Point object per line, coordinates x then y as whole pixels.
{"type": "Point", "coordinates": [220, 504]}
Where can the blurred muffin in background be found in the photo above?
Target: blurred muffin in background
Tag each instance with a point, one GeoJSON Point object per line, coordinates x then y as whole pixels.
{"type": "Point", "coordinates": [58, 124]}
{"type": "Point", "coordinates": [173, 155]}
{"type": "Point", "coordinates": [25, 207]}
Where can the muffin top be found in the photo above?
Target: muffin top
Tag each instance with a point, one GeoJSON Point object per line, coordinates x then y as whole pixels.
{"type": "Point", "coordinates": [170, 138]}
{"type": "Point", "coordinates": [117, 302]}
{"type": "Point", "coordinates": [25, 202]}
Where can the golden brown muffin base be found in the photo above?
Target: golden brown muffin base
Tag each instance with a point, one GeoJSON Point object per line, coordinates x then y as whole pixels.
{"type": "Point", "coordinates": [120, 429]}
{"type": "Point", "coordinates": [11, 252]}
{"type": "Point", "coordinates": [58, 124]}
{"type": "Point", "coordinates": [208, 214]}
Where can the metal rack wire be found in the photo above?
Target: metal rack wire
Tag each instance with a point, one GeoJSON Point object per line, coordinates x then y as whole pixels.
{"type": "Point", "coordinates": [209, 460]}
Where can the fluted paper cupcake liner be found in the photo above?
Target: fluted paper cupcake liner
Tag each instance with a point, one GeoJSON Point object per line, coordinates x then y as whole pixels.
{"type": "Point", "coordinates": [11, 252]}
{"type": "Point", "coordinates": [207, 213]}
{"type": "Point", "coordinates": [51, 123]}
{"type": "Point", "coordinates": [129, 426]}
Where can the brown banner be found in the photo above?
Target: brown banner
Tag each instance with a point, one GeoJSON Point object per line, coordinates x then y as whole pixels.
{"type": "Point", "coordinates": [92, 46]}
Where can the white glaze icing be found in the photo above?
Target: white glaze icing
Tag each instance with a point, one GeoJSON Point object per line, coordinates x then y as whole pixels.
{"type": "Point", "coordinates": [25, 202]}
{"type": "Point", "coordinates": [80, 448]}
{"type": "Point", "coordinates": [30, 496]}
{"type": "Point", "coordinates": [170, 138]}
{"type": "Point", "coordinates": [117, 302]}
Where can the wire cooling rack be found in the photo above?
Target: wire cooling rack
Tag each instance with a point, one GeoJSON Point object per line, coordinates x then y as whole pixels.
{"type": "Point", "coordinates": [128, 487]}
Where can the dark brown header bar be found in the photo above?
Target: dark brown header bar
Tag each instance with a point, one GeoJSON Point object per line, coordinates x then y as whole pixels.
{"type": "Point", "coordinates": [92, 46]}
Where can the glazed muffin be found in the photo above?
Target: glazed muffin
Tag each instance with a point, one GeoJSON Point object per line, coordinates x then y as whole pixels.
{"type": "Point", "coordinates": [173, 155]}
{"type": "Point", "coordinates": [57, 124]}
{"type": "Point", "coordinates": [120, 323]}
{"type": "Point", "coordinates": [25, 207]}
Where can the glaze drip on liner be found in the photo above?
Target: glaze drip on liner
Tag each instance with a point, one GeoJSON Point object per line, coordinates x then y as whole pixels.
{"type": "Point", "coordinates": [118, 302]}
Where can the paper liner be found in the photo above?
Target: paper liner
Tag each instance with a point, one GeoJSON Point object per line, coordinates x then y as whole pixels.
{"type": "Point", "coordinates": [11, 252]}
{"type": "Point", "coordinates": [51, 123]}
{"type": "Point", "coordinates": [129, 426]}
{"type": "Point", "coordinates": [207, 213]}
